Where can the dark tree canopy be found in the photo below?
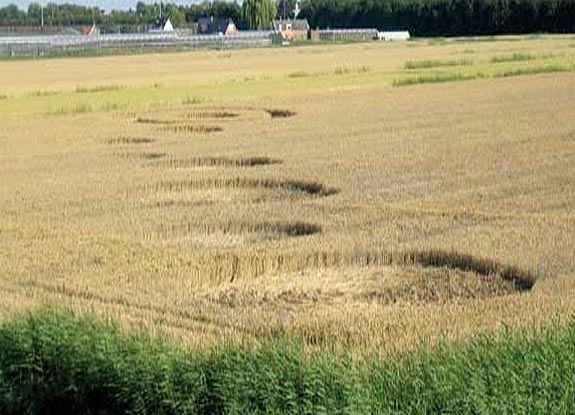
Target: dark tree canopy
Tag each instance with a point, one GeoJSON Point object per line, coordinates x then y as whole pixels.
{"type": "Point", "coordinates": [258, 14]}
{"type": "Point", "coordinates": [143, 14]}
{"type": "Point", "coordinates": [421, 17]}
{"type": "Point", "coordinates": [445, 17]}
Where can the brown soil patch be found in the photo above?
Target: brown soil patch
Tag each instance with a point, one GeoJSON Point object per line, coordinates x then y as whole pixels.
{"type": "Point", "coordinates": [310, 188]}
{"type": "Point", "coordinates": [198, 129]}
{"type": "Point", "coordinates": [217, 162]}
{"type": "Point", "coordinates": [131, 140]}
{"type": "Point", "coordinates": [280, 113]}
{"type": "Point", "coordinates": [350, 287]}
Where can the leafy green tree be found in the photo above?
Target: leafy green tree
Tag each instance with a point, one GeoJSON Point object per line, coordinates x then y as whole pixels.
{"type": "Point", "coordinates": [178, 17]}
{"type": "Point", "coordinates": [12, 16]}
{"type": "Point", "coordinates": [225, 9]}
{"type": "Point", "coordinates": [285, 9]}
{"type": "Point", "coordinates": [34, 14]}
{"type": "Point", "coordinates": [258, 14]}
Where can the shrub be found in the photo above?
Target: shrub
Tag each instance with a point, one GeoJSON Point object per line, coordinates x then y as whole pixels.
{"type": "Point", "coordinates": [56, 362]}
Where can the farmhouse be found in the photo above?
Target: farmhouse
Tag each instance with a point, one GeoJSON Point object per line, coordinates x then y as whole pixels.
{"type": "Point", "coordinates": [163, 25]}
{"type": "Point", "coordinates": [393, 36]}
{"type": "Point", "coordinates": [211, 26]}
{"type": "Point", "coordinates": [293, 29]}
{"type": "Point", "coordinates": [90, 30]}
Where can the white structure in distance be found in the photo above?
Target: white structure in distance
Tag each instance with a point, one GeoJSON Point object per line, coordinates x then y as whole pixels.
{"type": "Point", "coordinates": [393, 36]}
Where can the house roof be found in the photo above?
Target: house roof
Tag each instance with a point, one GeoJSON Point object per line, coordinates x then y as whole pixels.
{"type": "Point", "coordinates": [296, 24]}
{"type": "Point", "coordinates": [160, 23]}
{"type": "Point", "coordinates": [211, 25]}
{"type": "Point", "coordinates": [89, 30]}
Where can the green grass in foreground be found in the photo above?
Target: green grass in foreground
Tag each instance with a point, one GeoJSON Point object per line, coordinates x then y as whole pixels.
{"type": "Point", "coordinates": [531, 71]}
{"type": "Point", "coordinates": [519, 57]}
{"type": "Point", "coordinates": [55, 363]}
{"type": "Point", "coordinates": [516, 57]}
{"type": "Point", "coordinates": [427, 64]}
{"type": "Point", "coordinates": [99, 88]}
{"type": "Point", "coordinates": [435, 78]}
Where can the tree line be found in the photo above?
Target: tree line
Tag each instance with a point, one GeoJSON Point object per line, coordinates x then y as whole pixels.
{"type": "Point", "coordinates": [144, 14]}
{"type": "Point", "coordinates": [252, 14]}
{"type": "Point", "coordinates": [420, 17]}
{"type": "Point", "coordinates": [444, 17]}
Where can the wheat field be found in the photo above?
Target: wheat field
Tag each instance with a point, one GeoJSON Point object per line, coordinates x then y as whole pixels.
{"type": "Point", "coordinates": [366, 196]}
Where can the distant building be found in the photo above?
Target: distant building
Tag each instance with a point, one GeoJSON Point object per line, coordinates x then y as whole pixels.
{"type": "Point", "coordinates": [393, 36]}
{"type": "Point", "coordinates": [70, 31]}
{"type": "Point", "coordinates": [211, 26]}
{"type": "Point", "coordinates": [346, 35]}
{"type": "Point", "coordinates": [90, 30]}
{"type": "Point", "coordinates": [293, 29]}
{"type": "Point", "coordinates": [162, 25]}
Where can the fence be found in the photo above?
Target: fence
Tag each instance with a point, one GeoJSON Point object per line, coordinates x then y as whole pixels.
{"type": "Point", "coordinates": [345, 35]}
{"type": "Point", "coordinates": [13, 46]}
{"type": "Point", "coordinates": [53, 45]}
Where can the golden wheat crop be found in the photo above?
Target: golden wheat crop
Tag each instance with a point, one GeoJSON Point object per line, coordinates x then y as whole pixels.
{"type": "Point", "coordinates": [219, 198]}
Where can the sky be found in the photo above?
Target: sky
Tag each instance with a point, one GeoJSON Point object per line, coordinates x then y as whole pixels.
{"type": "Point", "coordinates": [103, 4]}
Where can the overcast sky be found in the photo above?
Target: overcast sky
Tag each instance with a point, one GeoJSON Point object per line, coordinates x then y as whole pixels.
{"type": "Point", "coordinates": [103, 4]}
